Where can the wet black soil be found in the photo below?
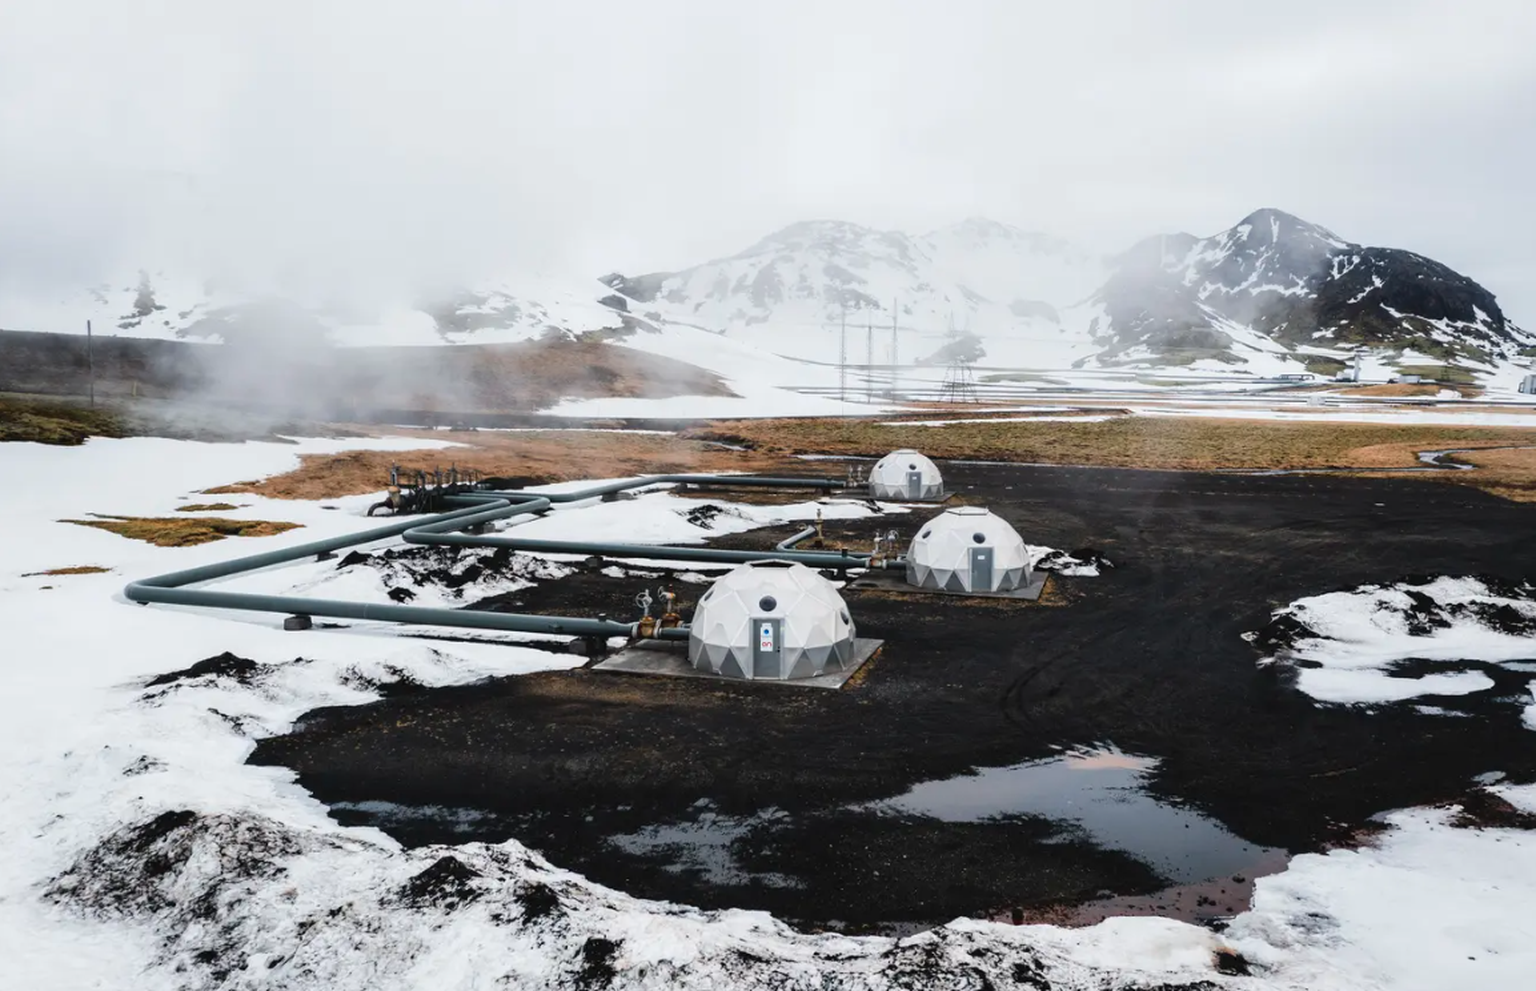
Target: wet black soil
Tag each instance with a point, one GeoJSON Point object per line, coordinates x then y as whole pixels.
{"type": "Point", "coordinates": [606, 773]}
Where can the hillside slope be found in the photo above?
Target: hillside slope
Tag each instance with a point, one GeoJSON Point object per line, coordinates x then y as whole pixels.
{"type": "Point", "coordinates": [1274, 283]}
{"type": "Point", "coordinates": [791, 292]}
{"type": "Point", "coordinates": [1272, 294]}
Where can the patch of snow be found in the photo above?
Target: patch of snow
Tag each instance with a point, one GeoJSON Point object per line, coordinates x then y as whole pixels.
{"type": "Point", "coordinates": [1376, 283]}
{"type": "Point", "coordinates": [1426, 907]}
{"type": "Point", "coordinates": [1078, 564]}
{"type": "Point", "coordinates": [1348, 686]}
{"type": "Point", "coordinates": [171, 863]}
{"type": "Point", "coordinates": [1347, 645]}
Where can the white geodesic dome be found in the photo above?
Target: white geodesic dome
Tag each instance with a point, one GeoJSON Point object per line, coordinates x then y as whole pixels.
{"type": "Point", "coordinates": [905, 474]}
{"type": "Point", "coordinates": [771, 620]}
{"type": "Point", "coordinates": [968, 549]}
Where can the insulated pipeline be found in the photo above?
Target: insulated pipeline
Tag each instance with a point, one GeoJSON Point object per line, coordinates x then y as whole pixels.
{"type": "Point", "coordinates": [484, 507]}
{"type": "Point", "coordinates": [834, 560]}
{"type": "Point", "coordinates": [789, 542]}
{"type": "Point", "coordinates": [169, 590]}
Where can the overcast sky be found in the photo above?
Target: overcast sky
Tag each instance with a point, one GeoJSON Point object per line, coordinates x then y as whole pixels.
{"type": "Point", "coordinates": [402, 141]}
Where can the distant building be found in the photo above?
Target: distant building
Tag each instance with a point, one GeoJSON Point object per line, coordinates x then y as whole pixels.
{"type": "Point", "coordinates": [1528, 384]}
{"type": "Point", "coordinates": [1295, 377]}
{"type": "Point", "coordinates": [1406, 379]}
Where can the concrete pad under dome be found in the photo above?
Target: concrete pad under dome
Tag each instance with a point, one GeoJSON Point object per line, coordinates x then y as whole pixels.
{"type": "Point", "coordinates": [937, 500]}
{"type": "Point", "coordinates": [669, 659]}
{"type": "Point", "coordinates": [891, 581]}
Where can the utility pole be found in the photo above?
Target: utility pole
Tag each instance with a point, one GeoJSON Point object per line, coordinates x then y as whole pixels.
{"type": "Point", "coordinates": [895, 363]}
{"type": "Point", "coordinates": [842, 358]}
{"type": "Point", "coordinates": [90, 361]}
{"type": "Point", "coordinates": [869, 362]}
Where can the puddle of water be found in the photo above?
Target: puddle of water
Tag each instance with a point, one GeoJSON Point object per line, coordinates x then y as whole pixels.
{"type": "Point", "coordinates": [702, 844]}
{"type": "Point", "coordinates": [1102, 792]}
{"type": "Point", "coordinates": [1201, 903]}
{"type": "Point", "coordinates": [391, 815]}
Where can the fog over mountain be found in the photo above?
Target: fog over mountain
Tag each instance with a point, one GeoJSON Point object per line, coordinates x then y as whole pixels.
{"type": "Point", "coordinates": [368, 152]}
{"type": "Point", "coordinates": [1271, 294]}
{"type": "Point", "coordinates": [1272, 288]}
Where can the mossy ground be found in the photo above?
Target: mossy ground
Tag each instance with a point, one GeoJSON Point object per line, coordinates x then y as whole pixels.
{"type": "Point", "coordinates": [49, 422]}
{"type": "Point", "coordinates": [188, 532]}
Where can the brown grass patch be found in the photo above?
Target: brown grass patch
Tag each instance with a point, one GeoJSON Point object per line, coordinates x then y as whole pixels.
{"type": "Point", "coordinates": [1033, 412]}
{"type": "Point", "coordinates": [1401, 454]}
{"type": "Point", "coordinates": [1421, 389]}
{"type": "Point", "coordinates": [170, 532]}
{"type": "Point", "coordinates": [1174, 443]}
{"type": "Point", "coordinates": [1178, 443]}
{"type": "Point", "coordinates": [544, 456]}
{"type": "Point", "coordinates": [860, 676]}
{"type": "Point", "coordinates": [1194, 443]}
{"type": "Point", "coordinates": [79, 569]}
{"type": "Point", "coordinates": [207, 507]}
{"type": "Point", "coordinates": [1510, 474]}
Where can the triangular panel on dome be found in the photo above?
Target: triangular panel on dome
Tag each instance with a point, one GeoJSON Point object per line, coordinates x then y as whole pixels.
{"type": "Point", "coordinates": [906, 476]}
{"type": "Point", "coordinates": [805, 608]}
{"type": "Point", "coordinates": [941, 554]}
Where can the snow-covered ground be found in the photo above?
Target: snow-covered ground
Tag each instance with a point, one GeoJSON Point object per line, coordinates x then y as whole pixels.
{"type": "Point", "coordinates": [763, 381]}
{"type": "Point", "coordinates": [142, 852]}
{"type": "Point", "coordinates": [1347, 645]}
{"type": "Point", "coordinates": [1436, 416]}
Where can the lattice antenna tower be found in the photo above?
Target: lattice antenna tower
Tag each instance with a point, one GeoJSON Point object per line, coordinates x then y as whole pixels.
{"type": "Point", "coordinates": [959, 384]}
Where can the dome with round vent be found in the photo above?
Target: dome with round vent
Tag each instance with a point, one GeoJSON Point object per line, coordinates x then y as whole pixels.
{"type": "Point", "coordinates": [905, 474]}
{"type": "Point", "coordinates": [968, 549]}
{"type": "Point", "coordinates": [771, 620]}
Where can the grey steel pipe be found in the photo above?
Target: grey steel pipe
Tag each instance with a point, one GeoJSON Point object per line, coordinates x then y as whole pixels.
{"type": "Point", "coordinates": [841, 561]}
{"type": "Point", "coordinates": [789, 544]}
{"type": "Point", "coordinates": [484, 508]}
{"type": "Point", "coordinates": [267, 559]}
{"type": "Point", "coordinates": [835, 560]}
{"type": "Point", "coordinates": [741, 481]}
{"type": "Point", "coordinates": [866, 560]}
{"type": "Point", "coordinates": [168, 588]}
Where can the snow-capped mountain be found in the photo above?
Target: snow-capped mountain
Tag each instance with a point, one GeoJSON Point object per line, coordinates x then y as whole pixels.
{"type": "Point", "coordinates": [791, 292]}
{"type": "Point", "coordinates": [164, 304]}
{"type": "Point", "coordinates": [1272, 294]}
{"type": "Point", "coordinates": [1274, 284]}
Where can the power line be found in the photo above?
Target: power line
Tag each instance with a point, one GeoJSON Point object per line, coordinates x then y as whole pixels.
{"type": "Point", "coordinates": [842, 359]}
{"type": "Point", "coordinates": [869, 362]}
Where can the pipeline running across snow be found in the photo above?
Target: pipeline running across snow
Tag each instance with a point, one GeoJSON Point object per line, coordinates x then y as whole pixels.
{"type": "Point", "coordinates": [445, 529]}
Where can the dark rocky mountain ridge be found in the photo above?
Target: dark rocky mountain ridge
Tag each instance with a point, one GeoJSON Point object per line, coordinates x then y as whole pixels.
{"type": "Point", "coordinates": [1300, 285]}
